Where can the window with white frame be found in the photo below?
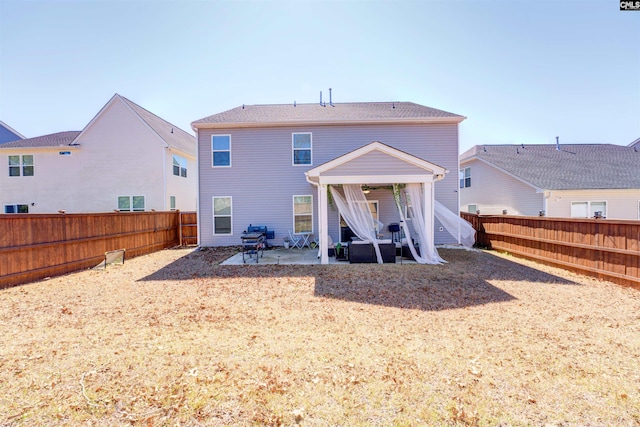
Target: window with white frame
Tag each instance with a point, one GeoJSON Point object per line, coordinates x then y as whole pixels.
{"type": "Point", "coordinates": [222, 214]}
{"type": "Point", "coordinates": [302, 148]}
{"type": "Point", "coordinates": [302, 214]}
{"type": "Point", "coordinates": [472, 209]}
{"type": "Point", "coordinates": [16, 209]}
{"type": "Point", "coordinates": [588, 209]}
{"type": "Point", "coordinates": [179, 166]}
{"type": "Point", "coordinates": [131, 203]}
{"type": "Point", "coordinates": [221, 150]}
{"type": "Point", "coordinates": [465, 177]}
{"type": "Point", "coordinates": [21, 165]}
{"type": "Point", "coordinates": [172, 203]}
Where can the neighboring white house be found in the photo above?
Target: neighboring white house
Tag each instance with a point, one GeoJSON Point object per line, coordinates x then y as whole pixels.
{"type": "Point", "coordinates": [573, 180]}
{"type": "Point", "coordinates": [271, 165]}
{"type": "Point", "coordinates": [635, 144]}
{"type": "Point", "coordinates": [125, 159]}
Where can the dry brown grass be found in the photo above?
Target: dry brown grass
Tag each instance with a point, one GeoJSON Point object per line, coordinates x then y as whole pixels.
{"type": "Point", "coordinates": [174, 339]}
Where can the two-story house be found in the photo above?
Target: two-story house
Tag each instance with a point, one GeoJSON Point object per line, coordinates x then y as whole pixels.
{"type": "Point", "coordinates": [272, 165]}
{"type": "Point", "coordinates": [125, 159]}
{"type": "Point", "coordinates": [556, 180]}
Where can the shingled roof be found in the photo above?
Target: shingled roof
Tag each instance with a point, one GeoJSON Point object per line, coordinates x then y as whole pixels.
{"type": "Point", "coordinates": [571, 167]}
{"type": "Point", "coordinates": [58, 139]}
{"type": "Point", "coordinates": [336, 113]}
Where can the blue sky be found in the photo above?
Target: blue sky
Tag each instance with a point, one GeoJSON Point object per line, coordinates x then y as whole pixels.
{"type": "Point", "coordinates": [520, 71]}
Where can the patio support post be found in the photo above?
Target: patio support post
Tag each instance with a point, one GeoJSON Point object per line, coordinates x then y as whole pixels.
{"type": "Point", "coordinates": [428, 194]}
{"type": "Point", "coordinates": [323, 223]}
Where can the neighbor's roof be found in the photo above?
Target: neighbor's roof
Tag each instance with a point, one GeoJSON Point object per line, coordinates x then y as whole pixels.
{"type": "Point", "coordinates": [171, 134]}
{"type": "Point", "coordinates": [337, 113]}
{"type": "Point", "coordinates": [573, 167]}
{"type": "Point", "coordinates": [52, 140]}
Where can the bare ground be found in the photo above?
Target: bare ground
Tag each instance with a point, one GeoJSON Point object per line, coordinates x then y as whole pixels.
{"type": "Point", "coordinates": [172, 338]}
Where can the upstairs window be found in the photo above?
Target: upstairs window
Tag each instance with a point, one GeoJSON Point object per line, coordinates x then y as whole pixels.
{"type": "Point", "coordinates": [465, 177]}
{"type": "Point", "coordinates": [21, 165]}
{"type": "Point", "coordinates": [221, 150]}
{"type": "Point", "coordinates": [179, 166]}
{"type": "Point", "coordinates": [301, 148]}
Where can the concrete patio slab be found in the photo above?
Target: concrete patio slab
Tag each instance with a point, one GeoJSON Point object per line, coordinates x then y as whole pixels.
{"type": "Point", "coordinates": [279, 255]}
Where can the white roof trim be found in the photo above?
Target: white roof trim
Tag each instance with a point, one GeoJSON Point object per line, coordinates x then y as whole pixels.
{"type": "Point", "coordinates": [432, 168]}
{"type": "Point", "coordinates": [475, 157]}
{"type": "Point", "coordinates": [334, 122]}
{"type": "Point", "coordinates": [12, 130]}
{"type": "Point", "coordinates": [104, 108]}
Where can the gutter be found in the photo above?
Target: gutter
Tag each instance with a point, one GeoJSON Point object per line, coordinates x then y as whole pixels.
{"type": "Point", "coordinates": [426, 120]}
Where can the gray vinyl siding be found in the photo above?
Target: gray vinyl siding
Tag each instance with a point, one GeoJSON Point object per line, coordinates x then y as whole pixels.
{"type": "Point", "coordinates": [262, 179]}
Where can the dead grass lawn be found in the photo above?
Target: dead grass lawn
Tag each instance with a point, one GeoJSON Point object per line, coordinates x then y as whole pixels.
{"type": "Point", "coordinates": [173, 338]}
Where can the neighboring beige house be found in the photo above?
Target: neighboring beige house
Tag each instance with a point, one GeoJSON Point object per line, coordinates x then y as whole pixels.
{"type": "Point", "coordinates": [125, 159]}
{"type": "Point", "coordinates": [574, 180]}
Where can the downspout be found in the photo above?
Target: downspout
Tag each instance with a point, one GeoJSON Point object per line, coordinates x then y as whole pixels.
{"type": "Point", "coordinates": [164, 178]}
{"type": "Point", "coordinates": [198, 217]}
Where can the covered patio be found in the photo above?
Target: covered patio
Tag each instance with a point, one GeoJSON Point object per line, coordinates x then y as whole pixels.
{"type": "Point", "coordinates": [377, 164]}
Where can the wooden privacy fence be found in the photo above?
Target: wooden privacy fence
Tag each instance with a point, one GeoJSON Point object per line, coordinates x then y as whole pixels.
{"type": "Point", "coordinates": [34, 246]}
{"type": "Point", "coordinates": [602, 248]}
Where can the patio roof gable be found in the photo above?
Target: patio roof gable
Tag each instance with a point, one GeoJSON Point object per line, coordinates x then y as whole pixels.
{"type": "Point", "coordinates": [338, 167]}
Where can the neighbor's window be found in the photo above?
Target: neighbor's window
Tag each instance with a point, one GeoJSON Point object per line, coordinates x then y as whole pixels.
{"type": "Point", "coordinates": [465, 177]}
{"type": "Point", "coordinates": [16, 209]}
{"type": "Point", "coordinates": [172, 203]}
{"type": "Point", "coordinates": [21, 165]}
{"type": "Point", "coordinates": [131, 203]}
{"type": "Point", "coordinates": [302, 214]}
{"type": "Point", "coordinates": [302, 148]}
{"type": "Point", "coordinates": [222, 211]}
{"type": "Point", "coordinates": [179, 166]}
{"type": "Point", "coordinates": [588, 209]}
{"type": "Point", "coordinates": [221, 148]}
{"type": "Point", "coordinates": [472, 208]}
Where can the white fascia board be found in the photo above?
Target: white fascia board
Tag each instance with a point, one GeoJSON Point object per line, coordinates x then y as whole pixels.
{"type": "Point", "coordinates": [183, 153]}
{"type": "Point", "coordinates": [12, 130]}
{"type": "Point", "coordinates": [376, 179]}
{"type": "Point", "coordinates": [26, 150]}
{"type": "Point", "coordinates": [425, 120]}
{"type": "Point", "coordinates": [383, 148]}
{"type": "Point", "coordinates": [164, 143]}
{"type": "Point", "coordinates": [538, 189]}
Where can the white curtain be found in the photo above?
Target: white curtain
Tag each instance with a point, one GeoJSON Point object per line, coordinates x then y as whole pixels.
{"type": "Point", "coordinates": [417, 211]}
{"type": "Point", "coordinates": [456, 226]}
{"type": "Point", "coordinates": [354, 209]}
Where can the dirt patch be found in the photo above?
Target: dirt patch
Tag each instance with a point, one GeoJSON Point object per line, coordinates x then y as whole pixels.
{"type": "Point", "coordinates": [175, 338]}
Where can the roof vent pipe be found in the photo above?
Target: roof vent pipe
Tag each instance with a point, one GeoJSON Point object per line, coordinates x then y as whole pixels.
{"type": "Point", "coordinates": [330, 99]}
{"type": "Point", "coordinates": [557, 143]}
